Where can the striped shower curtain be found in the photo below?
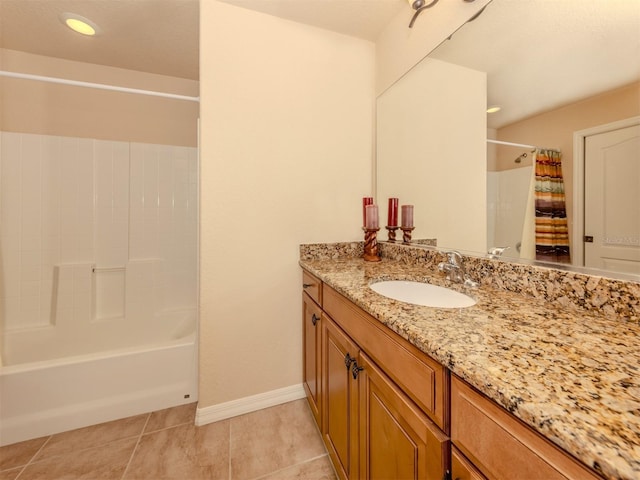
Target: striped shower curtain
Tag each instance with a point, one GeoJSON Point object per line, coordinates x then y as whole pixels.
{"type": "Point", "coordinates": [552, 231]}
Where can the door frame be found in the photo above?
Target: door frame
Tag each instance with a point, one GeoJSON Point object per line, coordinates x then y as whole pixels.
{"type": "Point", "coordinates": [577, 245]}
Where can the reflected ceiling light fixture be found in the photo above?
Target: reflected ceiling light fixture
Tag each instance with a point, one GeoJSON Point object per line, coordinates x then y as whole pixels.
{"type": "Point", "coordinates": [419, 6]}
{"type": "Point", "coordinates": [79, 24]}
{"type": "Point", "coordinates": [494, 108]}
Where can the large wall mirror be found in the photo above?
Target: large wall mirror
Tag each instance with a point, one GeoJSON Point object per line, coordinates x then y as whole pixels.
{"type": "Point", "coordinates": [566, 76]}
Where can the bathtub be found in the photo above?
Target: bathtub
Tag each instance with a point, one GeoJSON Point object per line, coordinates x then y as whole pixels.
{"type": "Point", "coordinates": [43, 391]}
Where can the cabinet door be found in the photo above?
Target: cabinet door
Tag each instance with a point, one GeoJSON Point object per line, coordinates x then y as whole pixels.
{"type": "Point", "coordinates": [397, 440]}
{"type": "Point", "coordinates": [340, 400]}
{"type": "Point", "coordinates": [312, 335]}
{"type": "Point", "coordinates": [463, 469]}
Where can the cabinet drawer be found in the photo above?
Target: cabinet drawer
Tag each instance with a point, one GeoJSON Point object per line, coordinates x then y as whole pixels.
{"type": "Point", "coordinates": [423, 379]}
{"type": "Point", "coordinates": [501, 446]}
{"type": "Point", "coordinates": [312, 286]}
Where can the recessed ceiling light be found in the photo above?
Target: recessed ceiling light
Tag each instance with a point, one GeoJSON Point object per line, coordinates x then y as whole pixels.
{"type": "Point", "coordinates": [79, 24]}
{"type": "Point", "coordinates": [494, 109]}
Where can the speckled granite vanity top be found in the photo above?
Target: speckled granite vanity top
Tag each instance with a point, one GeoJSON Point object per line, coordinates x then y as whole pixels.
{"type": "Point", "coordinates": [573, 375]}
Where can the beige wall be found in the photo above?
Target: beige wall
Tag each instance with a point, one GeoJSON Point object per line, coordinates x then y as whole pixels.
{"type": "Point", "coordinates": [399, 48]}
{"type": "Point", "coordinates": [554, 129]}
{"type": "Point", "coordinates": [432, 161]}
{"type": "Point", "coordinates": [29, 106]}
{"type": "Point", "coordinates": [287, 118]}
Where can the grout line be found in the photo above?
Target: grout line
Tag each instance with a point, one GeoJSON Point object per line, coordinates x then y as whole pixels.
{"type": "Point", "coordinates": [32, 457]}
{"type": "Point", "coordinates": [167, 428]}
{"type": "Point", "coordinates": [133, 452]}
{"type": "Point", "coordinates": [309, 460]}
{"type": "Point", "coordinates": [82, 449]}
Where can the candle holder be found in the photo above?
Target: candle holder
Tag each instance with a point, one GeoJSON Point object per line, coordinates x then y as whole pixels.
{"type": "Point", "coordinates": [392, 233]}
{"type": "Point", "coordinates": [406, 234]}
{"type": "Point", "coordinates": [371, 245]}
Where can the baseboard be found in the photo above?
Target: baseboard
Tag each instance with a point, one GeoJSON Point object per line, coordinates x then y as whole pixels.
{"type": "Point", "coordinates": [250, 404]}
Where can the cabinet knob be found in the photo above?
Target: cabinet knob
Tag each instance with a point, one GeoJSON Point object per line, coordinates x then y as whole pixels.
{"type": "Point", "coordinates": [314, 319]}
{"type": "Point", "coordinates": [355, 369]}
{"type": "Point", "coordinates": [307, 285]}
{"type": "Point", "coordinates": [348, 360]}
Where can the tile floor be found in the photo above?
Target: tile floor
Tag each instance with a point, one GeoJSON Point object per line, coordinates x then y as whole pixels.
{"type": "Point", "coordinates": [280, 442]}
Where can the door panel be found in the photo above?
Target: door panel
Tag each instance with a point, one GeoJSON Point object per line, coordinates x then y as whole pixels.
{"type": "Point", "coordinates": [340, 401]}
{"type": "Point", "coordinates": [612, 200]}
{"type": "Point", "coordinates": [397, 440]}
{"type": "Point", "coordinates": [311, 330]}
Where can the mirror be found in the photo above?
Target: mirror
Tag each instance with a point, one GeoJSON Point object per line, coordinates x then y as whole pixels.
{"type": "Point", "coordinates": [561, 72]}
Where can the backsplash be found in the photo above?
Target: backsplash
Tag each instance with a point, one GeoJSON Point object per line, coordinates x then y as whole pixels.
{"type": "Point", "coordinates": [611, 297]}
{"type": "Point", "coordinates": [327, 251]}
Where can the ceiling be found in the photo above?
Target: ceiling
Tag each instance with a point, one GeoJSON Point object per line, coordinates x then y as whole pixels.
{"type": "Point", "coordinates": [543, 54]}
{"type": "Point", "coordinates": [591, 46]}
{"type": "Point", "coordinates": [358, 18]}
{"type": "Point", "coordinates": [156, 36]}
{"type": "Point", "coordinates": [161, 36]}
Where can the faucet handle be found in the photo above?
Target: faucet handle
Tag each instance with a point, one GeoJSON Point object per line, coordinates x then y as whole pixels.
{"type": "Point", "coordinates": [496, 252]}
{"type": "Point", "coordinates": [454, 258]}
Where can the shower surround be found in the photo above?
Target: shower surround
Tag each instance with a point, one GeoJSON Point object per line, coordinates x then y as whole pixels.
{"type": "Point", "coordinates": [98, 246]}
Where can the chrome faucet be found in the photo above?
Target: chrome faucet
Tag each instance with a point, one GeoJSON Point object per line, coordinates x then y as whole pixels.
{"type": "Point", "coordinates": [454, 268]}
{"type": "Point", "coordinates": [496, 252]}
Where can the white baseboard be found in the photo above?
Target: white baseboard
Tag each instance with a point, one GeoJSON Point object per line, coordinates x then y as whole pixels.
{"type": "Point", "coordinates": [250, 404]}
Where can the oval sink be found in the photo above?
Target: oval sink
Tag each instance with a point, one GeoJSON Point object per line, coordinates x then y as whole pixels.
{"type": "Point", "coordinates": [424, 294]}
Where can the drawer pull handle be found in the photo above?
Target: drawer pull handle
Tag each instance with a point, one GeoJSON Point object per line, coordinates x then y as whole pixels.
{"type": "Point", "coordinates": [314, 319]}
{"type": "Point", "coordinates": [348, 361]}
{"type": "Point", "coordinates": [355, 369]}
{"type": "Point", "coordinates": [307, 285]}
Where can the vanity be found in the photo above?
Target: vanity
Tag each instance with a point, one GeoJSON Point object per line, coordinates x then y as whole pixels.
{"type": "Point", "coordinates": [510, 388]}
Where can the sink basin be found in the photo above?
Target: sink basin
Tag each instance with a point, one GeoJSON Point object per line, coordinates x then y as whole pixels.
{"type": "Point", "coordinates": [424, 294]}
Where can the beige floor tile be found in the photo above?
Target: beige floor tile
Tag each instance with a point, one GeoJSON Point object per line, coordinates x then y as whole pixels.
{"type": "Point", "coordinates": [317, 469]}
{"type": "Point", "coordinates": [20, 453]}
{"type": "Point", "coordinates": [171, 417]}
{"type": "Point", "coordinates": [184, 452]}
{"type": "Point", "coordinates": [269, 440]}
{"type": "Point", "coordinates": [105, 462]}
{"type": "Point", "coordinates": [93, 436]}
{"type": "Point", "coordinates": [10, 474]}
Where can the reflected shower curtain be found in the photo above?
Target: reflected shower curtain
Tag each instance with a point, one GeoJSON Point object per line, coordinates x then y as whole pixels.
{"type": "Point", "coordinates": [552, 230]}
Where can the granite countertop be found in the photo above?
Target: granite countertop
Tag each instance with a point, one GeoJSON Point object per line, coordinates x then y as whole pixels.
{"type": "Point", "coordinates": [572, 375]}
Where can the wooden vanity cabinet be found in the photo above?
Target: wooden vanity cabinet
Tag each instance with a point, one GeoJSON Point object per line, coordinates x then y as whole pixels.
{"type": "Point", "coordinates": [502, 447]}
{"type": "Point", "coordinates": [385, 408]}
{"type": "Point", "coordinates": [312, 342]}
{"type": "Point", "coordinates": [371, 427]}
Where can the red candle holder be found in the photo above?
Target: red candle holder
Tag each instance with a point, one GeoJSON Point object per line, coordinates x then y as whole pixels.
{"type": "Point", "coordinates": [406, 234]}
{"type": "Point", "coordinates": [371, 253]}
{"type": "Point", "coordinates": [392, 233]}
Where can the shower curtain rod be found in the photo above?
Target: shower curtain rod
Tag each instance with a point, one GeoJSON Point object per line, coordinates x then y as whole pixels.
{"type": "Point", "coordinates": [522, 145]}
{"type": "Point", "coordinates": [510, 144]}
{"type": "Point", "coordinates": [100, 86]}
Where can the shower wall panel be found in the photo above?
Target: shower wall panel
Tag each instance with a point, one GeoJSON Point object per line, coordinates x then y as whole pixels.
{"type": "Point", "coordinates": [47, 219]}
{"type": "Point", "coordinates": [69, 205]}
{"type": "Point", "coordinates": [507, 193]}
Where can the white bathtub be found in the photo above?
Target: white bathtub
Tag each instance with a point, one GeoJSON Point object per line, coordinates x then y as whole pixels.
{"type": "Point", "coordinates": [55, 394]}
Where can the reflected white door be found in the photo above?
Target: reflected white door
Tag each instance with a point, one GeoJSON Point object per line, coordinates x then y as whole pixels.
{"type": "Point", "coordinates": [612, 200]}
